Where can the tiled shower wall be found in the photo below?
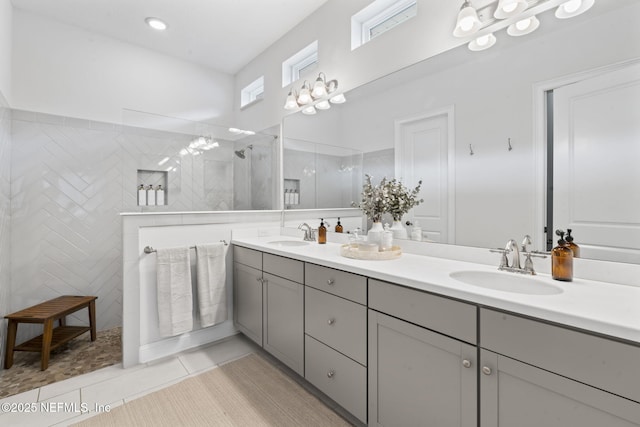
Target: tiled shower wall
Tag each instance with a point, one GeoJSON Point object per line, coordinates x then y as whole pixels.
{"type": "Point", "coordinates": [70, 180]}
{"type": "Point", "coordinates": [5, 217]}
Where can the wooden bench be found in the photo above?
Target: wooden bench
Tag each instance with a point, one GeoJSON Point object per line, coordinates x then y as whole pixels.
{"type": "Point", "coordinates": [47, 313]}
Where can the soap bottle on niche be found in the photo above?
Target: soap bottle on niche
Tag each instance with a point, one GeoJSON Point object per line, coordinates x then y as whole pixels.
{"type": "Point", "coordinates": [142, 196]}
{"type": "Point", "coordinates": [151, 196]}
{"type": "Point", "coordinates": [159, 195]}
{"type": "Point", "coordinates": [562, 260]}
{"type": "Point", "coordinates": [322, 232]}
{"type": "Point", "coordinates": [574, 247]}
{"type": "Point", "coordinates": [338, 226]}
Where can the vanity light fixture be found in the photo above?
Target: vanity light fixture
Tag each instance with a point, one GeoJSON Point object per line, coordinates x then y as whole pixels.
{"type": "Point", "coordinates": [482, 42]}
{"type": "Point", "coordinates": [468, 22]}
{"type": "Point", "coordinates": [524, 26]}
{"type": "Point", "coordinates": [156, 23]}
{"type": "Point", "coordinates": [520, 15]}
{"type": "Point", "coordinates": [508, 8]}
{"type": "Point", "coordinates": [573, 8]}
{"type": "Point", "coordinates": [309, 111]}
{"type": "Point", "coordinates": [317, 97]}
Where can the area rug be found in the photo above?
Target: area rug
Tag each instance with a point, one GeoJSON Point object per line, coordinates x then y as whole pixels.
{"type": "Point", "coordinates": [78, 356]}
{"type": "Point", "coordinates": [247, 392]}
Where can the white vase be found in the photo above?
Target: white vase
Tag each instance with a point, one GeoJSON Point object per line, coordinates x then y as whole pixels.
{"type": "Point", "coordinates": [374, 235]}
{"type": "Point", "coordinates": [399, 231]}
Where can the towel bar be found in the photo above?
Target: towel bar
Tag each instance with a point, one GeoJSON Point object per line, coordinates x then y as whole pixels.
{"type": "Point", "coordinates": [149, 249]}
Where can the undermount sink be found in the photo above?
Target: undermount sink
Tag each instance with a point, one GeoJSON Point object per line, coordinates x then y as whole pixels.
{"type": "Point", "coordinates": [288, 243]}
{"type": "Point", "coordinates": [506, 282]}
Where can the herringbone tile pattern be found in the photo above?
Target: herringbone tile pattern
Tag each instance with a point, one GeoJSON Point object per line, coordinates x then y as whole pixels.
{"type": "Point", "coordinates": [66, 192]}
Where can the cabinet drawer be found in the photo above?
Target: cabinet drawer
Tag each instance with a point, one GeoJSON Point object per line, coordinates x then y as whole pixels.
{"type": "Point", "coordinates": [337, 322]}
{"type": "Point", "coordinates": [453, 318]}
{"type": "Point", "coordinates": [246, 256]}
{"type": "Point", "coordinates": [337, 376]}
{"type": "Point", "coordinates": [345, 285]}
{"type": "Point", "coordinates": [600, 362]}
{"type": "Point", "coordinates": [283, 267]}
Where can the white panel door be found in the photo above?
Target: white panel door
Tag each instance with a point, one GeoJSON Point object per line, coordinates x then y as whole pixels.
{"type": "Point", "coordinates": [422, 153]}
{"type": "Point", "coordinates": [596, 179]}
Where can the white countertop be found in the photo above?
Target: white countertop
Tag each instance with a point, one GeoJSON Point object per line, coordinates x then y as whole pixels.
{"type": "Point", "coordinates": [604, 308]}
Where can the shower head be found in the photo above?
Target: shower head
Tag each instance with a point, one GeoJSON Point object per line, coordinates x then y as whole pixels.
{"type": "Point", "coordinates": [240, 153]}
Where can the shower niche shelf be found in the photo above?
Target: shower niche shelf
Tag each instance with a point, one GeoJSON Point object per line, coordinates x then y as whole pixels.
{"type": "Point", "coordinates": [291, 192]}
{"type": "Point", "coordinates": [155, 179]}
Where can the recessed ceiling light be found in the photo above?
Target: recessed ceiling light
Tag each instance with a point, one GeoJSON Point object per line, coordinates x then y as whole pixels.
{"type": "Point", "coordinates": [156, 24]}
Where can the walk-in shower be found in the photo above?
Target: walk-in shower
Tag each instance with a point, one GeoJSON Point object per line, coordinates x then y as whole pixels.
{"type": "Point", "coordinates": [241, 153]}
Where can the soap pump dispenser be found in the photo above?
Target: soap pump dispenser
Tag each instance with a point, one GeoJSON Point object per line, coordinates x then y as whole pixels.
{"type": "Point", "coordinates": [322, 233]}
{"type": "Point", "coordinates": [338, 226]}
{"type": "Point", "coordinates": [573, 246]}
{"type": "Point", "coordinates": [562, 260]}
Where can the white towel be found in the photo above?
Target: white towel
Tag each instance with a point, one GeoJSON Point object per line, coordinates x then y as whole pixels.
{"type": "Point", "coordinates": [211, 278]}
{"type": "Point", "coordinates": [175, 299]}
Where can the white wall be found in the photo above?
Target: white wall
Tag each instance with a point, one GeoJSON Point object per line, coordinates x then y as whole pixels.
{"type": "Point", "coordinates": [64, 70]}
{"type": "Point", "coordinates": [6, 27]}
{"type": "Point", "coordinates": [5, 218]}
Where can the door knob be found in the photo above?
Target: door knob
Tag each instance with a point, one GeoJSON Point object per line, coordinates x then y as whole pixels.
{"type": "Point", "coordinates": [486, 370]}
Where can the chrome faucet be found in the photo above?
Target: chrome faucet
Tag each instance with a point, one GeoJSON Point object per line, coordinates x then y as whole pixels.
{"type": "Point", "coordinates": [513, 248]}
{"type": "Point", "coordinates": [309, 233]}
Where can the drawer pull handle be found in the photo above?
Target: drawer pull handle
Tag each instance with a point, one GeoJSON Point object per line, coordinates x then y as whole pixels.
{"type": "Point", "coordinates": [466, 363]}
{"type": "Point", "coordinates": [331, 321]}
{"type": "Point", "coordinates": [331, 282]}
{"type": "Point", "coordinates": [330, 374]}
{"type": "Point", "coordinates": [486, 370]}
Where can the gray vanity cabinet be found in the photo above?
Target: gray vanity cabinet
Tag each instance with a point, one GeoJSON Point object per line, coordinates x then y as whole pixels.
{"type": "Point", "coordinates": [269, 303]}
{"type": "Point", "coordinates": [420, 376]}
{"type": "Point", "coordinates": [537, 374]}
{"type": "Point", "coordinates": [247, 292]}
{"type": "Point", "coordinates": [336, 336]}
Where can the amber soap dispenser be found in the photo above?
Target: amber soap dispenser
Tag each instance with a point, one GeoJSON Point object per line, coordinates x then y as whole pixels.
{"type": "Point", "coordinates": [562, 260]}
{"type": "Point", "coordinates": [573, 246]}
{"type": "Point", "coordinates": [338, 226]}
{"type": "Point", "coordinates": [322, 233]}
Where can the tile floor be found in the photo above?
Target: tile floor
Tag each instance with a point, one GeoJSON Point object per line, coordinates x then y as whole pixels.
{"type": "Point", "coordinates": [64, 402]}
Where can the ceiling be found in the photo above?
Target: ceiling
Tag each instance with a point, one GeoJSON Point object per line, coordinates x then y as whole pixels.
{"type": "Point", "coordinates": [221, 34]}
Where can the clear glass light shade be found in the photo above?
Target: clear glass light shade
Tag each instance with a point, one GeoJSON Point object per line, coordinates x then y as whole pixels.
{"type": "Point", "coordinates": [290, 103]}
{"type": "Point", "coordinates": [482, 42]}
{"type": "Point", "coordinates": [524, 26]}
{"type": "Point", "coordinates": [338, 99]}
{"type": "Point", "coordinates": [467, 23]}
{"type": "Point", "coordinates": [323, 105]}
{"type": "Point", "coordinates": [573, 8]}
{"type": "Point", "coordinates": [310, 110]}
{"type": "Point", "coordinates": [508, 8]}
{"type": "Point", "coordinates": [305, 96]}
{"type": "Point", "coordinates": [319, 89]}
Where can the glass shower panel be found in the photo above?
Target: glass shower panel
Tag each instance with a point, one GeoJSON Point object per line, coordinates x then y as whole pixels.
{"type": "Point", "coordinates": [320, 175]}
{"type": "Point", "coordinates": [201, 167]}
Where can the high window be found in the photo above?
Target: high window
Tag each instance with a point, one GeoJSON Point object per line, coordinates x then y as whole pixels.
{"type": "Point", "coordinates": [299, 64]}
{"type": "Point", "coordinates": [253, 92]}
{"type": "Point", "coordinates": [378, 18]}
